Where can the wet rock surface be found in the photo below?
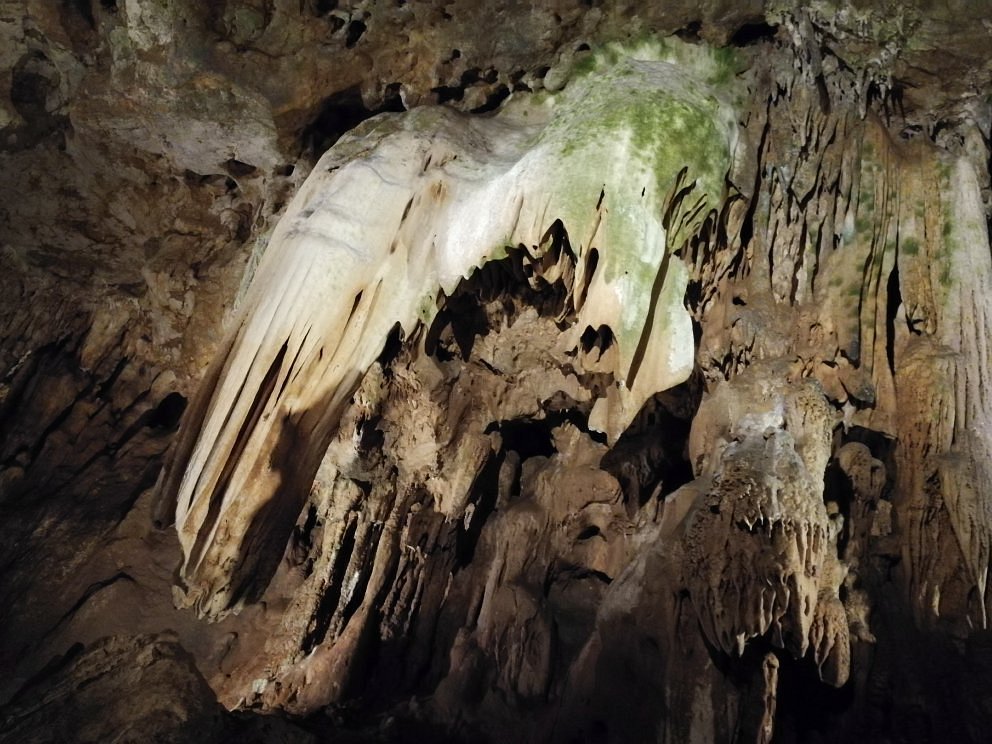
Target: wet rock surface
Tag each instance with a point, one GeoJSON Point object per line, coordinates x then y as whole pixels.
{"type": "Point", "coordinates": [476, 527]}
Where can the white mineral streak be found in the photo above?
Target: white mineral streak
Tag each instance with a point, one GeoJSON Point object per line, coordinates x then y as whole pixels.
{"type": "Point", "coordinates": [963, 325]}
{"type": "Point", "coordinates": [401, 210]}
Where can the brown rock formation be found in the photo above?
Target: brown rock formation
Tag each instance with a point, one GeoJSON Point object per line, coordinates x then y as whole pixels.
{"type": "Point", "coordinates": [619, 374]}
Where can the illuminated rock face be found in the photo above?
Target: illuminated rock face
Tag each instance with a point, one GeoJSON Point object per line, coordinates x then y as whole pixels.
{"type": "Point", "coordinates": [618, 168]}
{"type": "Point", "coordinates": [582, 391]}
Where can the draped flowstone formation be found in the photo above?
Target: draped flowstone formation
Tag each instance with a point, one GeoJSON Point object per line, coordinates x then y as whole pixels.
{"type": "Point", "coordinates": [623, 164]}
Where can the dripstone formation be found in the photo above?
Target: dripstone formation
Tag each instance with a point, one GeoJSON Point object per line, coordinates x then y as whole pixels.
{"type": "Point", "coordinates": [570, 371]}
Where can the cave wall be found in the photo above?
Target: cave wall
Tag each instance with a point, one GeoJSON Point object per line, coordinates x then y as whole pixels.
{"type": "Point", "coordinates": [471, 519]}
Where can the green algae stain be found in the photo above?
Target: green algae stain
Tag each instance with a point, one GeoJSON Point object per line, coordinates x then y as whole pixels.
{"type": "Point", "coordinates": [727, 65]}
{"type": "Point", "coordinates": [629, 124]}
{"type": "Point", "coordinates": [663, 128]}
{"type": "Point", "coordinates": [617, 137]}
{"type": "Point", "coordinates": [910, 247]}
{"type": "Point", "coordinates": [584, 65]}
{"type": "Point", "coordinates": [945, 275]}
{"type": "Point", "coordinates": [713, 66]}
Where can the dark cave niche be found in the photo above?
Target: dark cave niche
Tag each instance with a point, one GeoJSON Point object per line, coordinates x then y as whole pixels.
{"type": "Point", "coordinates": [690, 32]}
{"type": "Point", "coordinates": [892, 305]}
{"type": "Point", "coordinates": [807, 709]}
{"type": "Point", "coordinates": [484, 496]}
{"type": "Point", "coordinates": [493, 101]}
{"type": "Point", "coordinates": [342, 112]}
{"type": "Point", "coordinates": [495, 295]}
{"type": "Point", "coordinates": [356, 29]}
{"type": "Point", "coordinates": [753, 33]}
{"type": "Point", "coordinates": [322, 7]}
{"type": "Point", "coordinates": [167, 413]}
{"type": "Point", "coordinates": [528, 438]}
{"type": "Point", "coordinates": [331, 596]}
{"type": "Point", "coordinates": [34, 80]}
{"type": "Point", "coordinates": [651, 457]}
{"type": "Point", "coordinates": [84, 10]}
{"type": "Point", "coordinates": [837, 490]}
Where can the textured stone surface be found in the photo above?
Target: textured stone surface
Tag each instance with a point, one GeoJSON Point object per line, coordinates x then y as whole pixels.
{"type": "Point", "coordinates": [792, 542]}
{"type": "Point", "coordinates": [128, 688]}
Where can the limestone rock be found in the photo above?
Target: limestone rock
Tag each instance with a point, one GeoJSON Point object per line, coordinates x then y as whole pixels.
{"type": "Point", "coordinates": [138, 688]}
{"type": "Point", "coordinates": [599, 371]}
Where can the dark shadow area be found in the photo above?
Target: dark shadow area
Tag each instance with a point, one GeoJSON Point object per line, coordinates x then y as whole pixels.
{"type": "Point", "coordinates": [331, 596]}
{"type": "Point", "coordinates": [807, 709]}
{"type": "Point", "coordinates": [893, 301]}
{"type": "Point", "coordinates": [690, 32]}
{"type": "Point", "coordinates": [493, 101]}
{"type": "Point", "coordinates": [527, 437]}
{"type": "Point", "coordinates": [167, 413]}
{"type": "Point", "coordinates": [753, 33]}
{"type": "Point", "coordinates": [484, 495]}
{"type": "Point", "coordinates": [651, 457]}
{"type": "Point", "coordinates": [497, 292]}
{"type": "Point", "coordinates": [341, 113]}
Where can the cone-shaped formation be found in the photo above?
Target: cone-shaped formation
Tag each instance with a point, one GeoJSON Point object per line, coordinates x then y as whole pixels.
{"type": "Point", "coordinates": [777, 573]}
